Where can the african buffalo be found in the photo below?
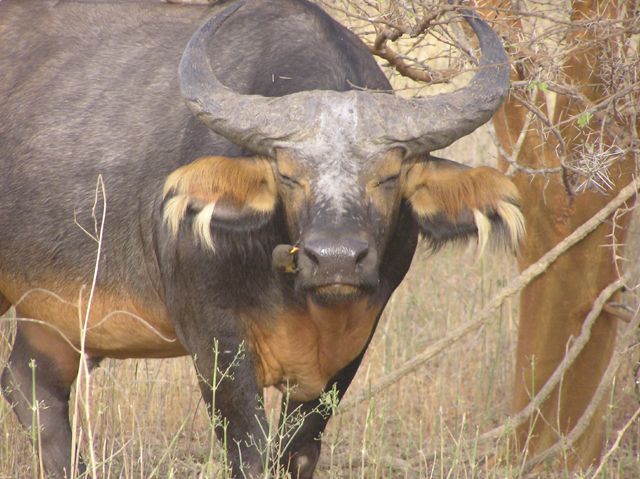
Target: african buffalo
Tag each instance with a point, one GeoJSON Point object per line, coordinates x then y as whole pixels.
{"type": "Point", "coordinates": [263, 190]}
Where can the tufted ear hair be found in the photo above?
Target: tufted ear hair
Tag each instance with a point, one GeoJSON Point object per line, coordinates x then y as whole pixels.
{"type": "Point", "coordinates": [451, 202]}
{"type": "Point", "coordinates": [220, 192]}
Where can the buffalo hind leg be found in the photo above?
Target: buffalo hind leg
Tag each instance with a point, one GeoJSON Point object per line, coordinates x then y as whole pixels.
{"type": "Point", "coordinates": [42, 367]}
{"type": "Point", "coordinates": [302, 454]}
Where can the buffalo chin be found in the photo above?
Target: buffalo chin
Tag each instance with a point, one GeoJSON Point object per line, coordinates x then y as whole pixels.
{"type": "Point", "coordinates": [333, 294]}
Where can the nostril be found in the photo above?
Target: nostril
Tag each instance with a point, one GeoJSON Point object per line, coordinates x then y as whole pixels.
{"type": "Point", "coordinates": [312, 255]}
{"type": "Point", "coordinates": [362, 254]}
{"type": "Point", "coordinates": [359, 250]}
{"type": "Point", "coordinates": [341, 253]}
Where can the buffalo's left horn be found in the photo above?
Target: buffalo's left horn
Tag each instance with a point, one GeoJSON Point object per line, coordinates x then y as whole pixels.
{"type": "Point", "coordinates": [417, 125]}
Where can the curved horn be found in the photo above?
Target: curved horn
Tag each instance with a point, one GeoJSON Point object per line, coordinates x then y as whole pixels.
{"type": "Point", "coordinates": [373, 120]}
{"type": "Point", "coordinates": [431, 123]}
{"type": "Point", "coordinates": [252, 121]}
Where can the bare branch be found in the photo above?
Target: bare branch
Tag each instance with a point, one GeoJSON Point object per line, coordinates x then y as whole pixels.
{"type": "Point", "coordinates": [514, 286]}
{"type": "Point", "coordinates": [605, 383]}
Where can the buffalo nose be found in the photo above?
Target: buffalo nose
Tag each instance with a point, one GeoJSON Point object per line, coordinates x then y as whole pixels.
{"type": "Point", "coordinates": [332, 254]}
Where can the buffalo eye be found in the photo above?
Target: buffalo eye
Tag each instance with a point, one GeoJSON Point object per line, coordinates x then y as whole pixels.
{"type": "Point", "coordinates": [388, 181]}
{"type": "Point", "coordinates": [288, 181]}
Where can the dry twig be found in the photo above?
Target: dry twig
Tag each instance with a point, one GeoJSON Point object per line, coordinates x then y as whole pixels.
{"type": "Point", "coordinates": [569, 440]}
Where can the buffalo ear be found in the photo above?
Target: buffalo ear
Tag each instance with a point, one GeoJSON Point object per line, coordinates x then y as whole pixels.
{"type": "Point", "coordinates": [220, 192]}
{"type": "Point", "coordinates": [453, 202]}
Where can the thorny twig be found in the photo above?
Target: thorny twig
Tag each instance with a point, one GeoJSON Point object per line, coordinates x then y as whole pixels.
{"type": "Point", "coordinates": [545, 34]}
{"type": "Point", "coordinates": [512, 159]}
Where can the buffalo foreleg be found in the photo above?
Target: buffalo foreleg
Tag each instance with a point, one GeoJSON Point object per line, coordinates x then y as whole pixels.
{"type": "Point", "coordinates": [225, 363]}
{"type": "Point", "coordinates": [228, 383]}
{"type": "Point", "coordinates": [36, 381]}
{"type": "Point", "coordinates": [302, 454]}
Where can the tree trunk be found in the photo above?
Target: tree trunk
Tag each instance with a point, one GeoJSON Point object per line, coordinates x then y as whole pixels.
{"type": "Point", "coordinates": [554, 306]}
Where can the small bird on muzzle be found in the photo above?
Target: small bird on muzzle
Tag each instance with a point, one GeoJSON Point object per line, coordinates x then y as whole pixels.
{"type": "Point", "coordinates": [283, 258]}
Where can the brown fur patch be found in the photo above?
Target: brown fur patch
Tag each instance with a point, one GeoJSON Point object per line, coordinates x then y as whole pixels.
{"type": "Point", "coordinates": [241, 181]}
{"type": "Point", "coordinates": [389, 165]}
{"type": "Point", "coordinates": [434, 189]}
{"type": "Point", "coordinates": [119, 326]}
{"type": "Point", "coordinates": [293, 199]}
{"type": "Point", "coordinates": [246, 182]}
{"type": "Point", "coordinates": [307, 348]}
{"type": "Point", "coordinates": [385, 195]}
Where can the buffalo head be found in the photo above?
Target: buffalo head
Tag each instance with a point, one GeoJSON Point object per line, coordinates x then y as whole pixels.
{"type": "Point", "coordinates": [342, 164]}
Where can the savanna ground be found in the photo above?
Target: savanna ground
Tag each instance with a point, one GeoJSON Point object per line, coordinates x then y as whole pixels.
{"type": "Point", "coordinates": [145, 418]}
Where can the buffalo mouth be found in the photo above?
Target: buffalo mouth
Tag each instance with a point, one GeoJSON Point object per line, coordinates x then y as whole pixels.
{"type": "Point", "coordinates": [337, 293]}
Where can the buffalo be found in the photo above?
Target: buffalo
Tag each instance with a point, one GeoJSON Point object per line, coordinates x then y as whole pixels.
{"type": "Point", "coordinates": [261, 194]}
